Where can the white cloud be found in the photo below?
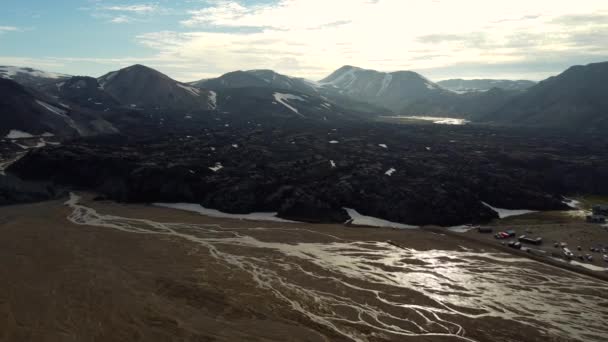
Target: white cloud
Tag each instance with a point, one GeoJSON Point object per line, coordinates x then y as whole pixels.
{"type": "Point", "coordinates": [4, 29]}
{"type": "Point", "coordinates": [122, 14]}
{"type": "Point", "coordinates": [142, 8]}
{"type": "Point", "coordinates": [311, 38]}
{"type": "Point", "coordinates": [121, 19]}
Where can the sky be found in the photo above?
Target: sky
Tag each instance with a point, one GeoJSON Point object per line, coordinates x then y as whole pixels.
{"type": "Point", "coordinates": [195, 39]}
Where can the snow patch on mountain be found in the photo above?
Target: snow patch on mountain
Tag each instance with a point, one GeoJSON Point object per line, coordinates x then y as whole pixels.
{"type": "Point", "coordinates": [363, 220]}
{"type": "Point", "coordinates": [52, 109]}
{"type": "Point", "coordinates": [197, 208]}
{"type": "Point", "coordinates": [503, 213]}
{"type": "Point", "coordinates": [283, 98]}
{"type": "Point", "coordinates": [191, 90]}
{"type": "Point", "coordinates": [216, 167]}
{"type": "Point", "coordinates": [11, 71]}
{"type": "Point", "coordinates": [17, 134]}
{"type": "Point", "coordinates": [213, 99]}
{"type": "Point", "coordinates": [349, 76]}
{"type": "Point", "coordinates": [388, 78]}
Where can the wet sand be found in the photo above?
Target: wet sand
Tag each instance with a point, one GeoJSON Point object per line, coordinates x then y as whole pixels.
{"type": "Point", "coordinates": [102, 275]}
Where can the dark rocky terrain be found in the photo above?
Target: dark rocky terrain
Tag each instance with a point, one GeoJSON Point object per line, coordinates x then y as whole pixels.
{"type": "Point", "coordinates": [442, 173]}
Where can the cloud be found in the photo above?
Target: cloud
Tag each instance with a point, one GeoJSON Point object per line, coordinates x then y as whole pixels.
{"type": "Point", "coordinates": [311, 38]}
{"type": "Point", "coordinates": [121, 19]}
{"type": "Point", "coordinates": [4, 29]}
{"type": "Point", "coordinates": [122, 14]}
{"type": "Point", "coordinates": [142, 8]}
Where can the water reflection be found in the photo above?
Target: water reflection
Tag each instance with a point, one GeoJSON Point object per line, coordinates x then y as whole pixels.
{"type": "Point", "coordinates": [390, 290]}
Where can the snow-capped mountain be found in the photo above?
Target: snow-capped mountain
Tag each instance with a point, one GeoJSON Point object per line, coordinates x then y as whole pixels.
{"type": "Point", "coordinates": [144, 88]}
{"type": "Point", "coordinates": [466, 86]}
{"type": "Point", "coordinates": [30, 77]}
{"type": "Point", "coordinates": [391, 90]}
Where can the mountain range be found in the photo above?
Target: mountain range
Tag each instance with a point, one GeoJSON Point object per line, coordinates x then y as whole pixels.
{"type": "Point", "coordinates": [260, 141]}
{"type": "Point", "coordinates": [467, 86]}
{"type": "Point", "coordinates": [35, 101]}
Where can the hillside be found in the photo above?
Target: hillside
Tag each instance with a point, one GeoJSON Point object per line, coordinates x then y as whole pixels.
{"type": "Point", "coordinates": [575, 100]}
{"type": "Point", "coordinates": [389, 90]}
{"type": "Point", "coordinates": [141, 87]}
{"type": "Point", "coordinates": [466, 86]}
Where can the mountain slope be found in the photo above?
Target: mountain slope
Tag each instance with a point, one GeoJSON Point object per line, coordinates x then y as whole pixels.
{"type": "Point", "coordinates": [82, 91]}
{"type": "Point", "coordinates": [471, 106]}
{"type": "Point", "coordinates": [467, 86]}
{"type": "Point", "coordinates": [235, 79]}
{"type": "Point", "coordinates": [258, 78]}
{"type": "Point", "coordinates": [279, 83]}
{"type": "Point", "coordinates": [577, 100]}
{"type": "Point", "coordinates": [145, 88]}
{"type": "Point", "coordinates": [267, 104]}
{"type": "Point", "coordinates": [33, 113]}
{"type": "Point", "coordinates": [30, 77]}
{"type": "Point", "coordinates": [390, 90]}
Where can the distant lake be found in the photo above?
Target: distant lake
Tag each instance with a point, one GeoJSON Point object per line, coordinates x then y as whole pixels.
{"type": "Point", "coordinates": [434, 119]}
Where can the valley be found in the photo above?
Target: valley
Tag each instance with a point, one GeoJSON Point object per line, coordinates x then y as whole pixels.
{"type": "Point", "coordinates": [94, 170]}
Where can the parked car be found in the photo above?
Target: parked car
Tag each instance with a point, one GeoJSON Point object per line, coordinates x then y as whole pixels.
{"type": "Point", "coordinates": [515, 244]}
{"type": "Point", "coordinates": [502, 235]}
{"type": "Point", "coordinates": [534, 241]}
{"type": "Point", "coordinates": [567, 253]}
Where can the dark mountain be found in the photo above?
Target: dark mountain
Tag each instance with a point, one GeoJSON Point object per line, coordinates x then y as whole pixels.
{"type": "Point", "coordinates": [235, 79]}
{"type": "Point", "coordinates": [141, 87]}
{"type": "Point", "coordinates": [389, 90]}
{"type": "Point", "coordinates": [34, 113]}
{"type": "Point", "coordinates": [471, 106]}
{"type": "Point", "coordinates": [264, 103]}
{"type": "Point", "coordinates": [258, 78]}
{"type": "Point", "coordinates": [467, 86]}
{"type": "Point", "coordinates": [30, 77]}
{"type": "Point", "coordinates": [575, 100]}
{"type": "Point", "coordinates": [281, 83]}
{"type": "Point", "coordinates": [82, 91]}
{"type": "Point", "coordinates": [278, 81]}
